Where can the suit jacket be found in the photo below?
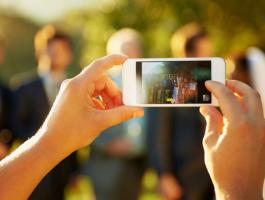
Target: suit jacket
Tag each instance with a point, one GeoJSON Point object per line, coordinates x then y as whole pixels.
{"type": "Point", "coordinates": [5, 100]}
{"type": "Point", "coordinates": [31, 107]}
{"type": "Point", "coordinates": [5, 110]}
{"type": "Point", "coordinates": [175, 146]}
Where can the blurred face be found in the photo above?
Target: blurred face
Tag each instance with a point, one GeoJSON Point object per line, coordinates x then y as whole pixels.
{"type": "Point", "coordinates": [241, 75]}
{"type": "Point", "coordinates": [132, 49]}
{"type": "Point", "coordinates": [60, 54]}
{"type": "Point", "coordinates": [203, 48]}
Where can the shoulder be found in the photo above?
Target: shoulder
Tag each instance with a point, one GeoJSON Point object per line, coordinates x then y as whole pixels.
{"type": "Point", "coordinates": [3, 87]}
{"type": "Point", "coordinates": [25, 81]}
{"type": "Point", "coordinates": [5, 91]}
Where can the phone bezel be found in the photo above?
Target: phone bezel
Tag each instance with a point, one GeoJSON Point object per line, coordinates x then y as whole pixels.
{"type": "Point", "coordinates": [129, 79]}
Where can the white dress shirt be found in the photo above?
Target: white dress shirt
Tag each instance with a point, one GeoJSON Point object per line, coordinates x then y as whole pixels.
{"type": "Point", "coordinates": [52, 83]}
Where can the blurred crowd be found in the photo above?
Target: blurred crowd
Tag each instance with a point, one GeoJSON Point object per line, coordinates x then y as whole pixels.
{"type": "Point", "coordinates": [169, 141]}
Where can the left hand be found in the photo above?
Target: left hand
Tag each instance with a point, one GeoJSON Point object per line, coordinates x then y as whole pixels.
{"type": "Point", "coordinates": [78, 116]}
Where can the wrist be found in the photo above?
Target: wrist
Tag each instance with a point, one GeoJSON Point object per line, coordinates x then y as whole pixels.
{"type": "Point", "coordinates": [56, 147]}
{"type": "Point", "coordinates": [239, 192]}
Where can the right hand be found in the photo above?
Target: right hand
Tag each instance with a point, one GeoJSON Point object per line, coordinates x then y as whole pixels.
{"type": "Point", "coordinates": [234, 142]}
{"type": "Point", "coordinates": [169, 187]}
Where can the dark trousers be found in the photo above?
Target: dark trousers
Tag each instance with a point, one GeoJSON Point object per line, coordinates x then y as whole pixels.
{"type": "Point", "coordinates": [116, 178]}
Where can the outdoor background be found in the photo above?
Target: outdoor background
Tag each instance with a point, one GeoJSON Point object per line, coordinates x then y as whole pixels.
{"type": "Point", "coordinates": [233, 26]}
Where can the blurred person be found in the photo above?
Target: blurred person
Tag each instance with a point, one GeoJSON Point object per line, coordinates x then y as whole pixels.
{"type": "Point", "coordinates": [242, 69]}
{"type": "Point", "coordinates": [257, 60]}
{"type": "Point", "coordinates": [117, 160]}
{"type": "Point", "coordinates": [233, 141]}
{"type": "Point", "coordinates": [178, 136]}
{"type": "Point", "coordinates": [34, 96]}
{"type": "Point", "coordinates": [191, 40]}
{"type": "Point", "coordinates": [5, 112]}
{"type": "Point", "coordinates": [249, 68]}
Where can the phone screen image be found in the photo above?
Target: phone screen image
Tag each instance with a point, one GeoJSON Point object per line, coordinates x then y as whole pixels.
{"type": "Point", "coordinates": [173, 82]}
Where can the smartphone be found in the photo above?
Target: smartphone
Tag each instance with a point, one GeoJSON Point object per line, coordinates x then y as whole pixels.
{"type": "Point", "coordinates": [170, 82]}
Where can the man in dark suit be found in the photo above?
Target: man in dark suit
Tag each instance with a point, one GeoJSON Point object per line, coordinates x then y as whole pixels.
{"type": "Point", "coordinates": [5, 106]}
{"type": "Point", "coordinates": [33, 98]}
{"type": "Point", "coordinates": [5, 133]}
{"type": "Point", "coordinates": [175, 136]}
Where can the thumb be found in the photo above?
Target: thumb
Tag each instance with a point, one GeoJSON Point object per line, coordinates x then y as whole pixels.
{"type": "Point", "coordinates": [214, 125]}
{"type": "Point", "coordinates": [121, 114]}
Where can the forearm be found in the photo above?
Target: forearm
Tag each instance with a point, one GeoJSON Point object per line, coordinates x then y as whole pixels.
{"type": "Point", "coordinates": [25, 167]}
{"type": "Point", "coordinates": [237, 193]}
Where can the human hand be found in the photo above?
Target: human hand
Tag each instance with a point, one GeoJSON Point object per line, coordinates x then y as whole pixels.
{"type": "Point", "coordinates": [234, 142]}
{"type": "Point", "coordinates": [169, 187]}
{"type": "Point", "coordinates": [79, 114]}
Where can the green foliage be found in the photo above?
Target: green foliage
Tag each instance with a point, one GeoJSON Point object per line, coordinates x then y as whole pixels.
{"type": "Point", "coordinates": [233, 25]}
{"type": "Point", "coordinates": [18, 43]}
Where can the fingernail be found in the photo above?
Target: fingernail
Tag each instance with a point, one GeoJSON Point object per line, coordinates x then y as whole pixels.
{"type": "Point", "coordinates": [138, 114]}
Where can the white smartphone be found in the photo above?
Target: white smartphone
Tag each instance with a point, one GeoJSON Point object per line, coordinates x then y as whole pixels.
{"type": "Point", "coordinates": [170, 82]}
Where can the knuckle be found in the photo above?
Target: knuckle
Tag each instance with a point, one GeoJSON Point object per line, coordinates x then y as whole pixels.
{"type": "Point", "coordinates": [246, 125]}
{"type": "Point", "coordinates": [71, 84]}
{"type": "Point", "coordinates": [206, 142]}
{"type": "Point", "coordinates": [210, 139]}
{"type": "Point", "coordinates": [65, 83]}
{"type": "Point", "coordinates": [114, 57]}
{"type": "Point", "coordinates": [227, 93]}
{"type": "Point", "coordinates": [125, 115]}
{"type": "Point", "coordinates": [244, 122]}
{"type": "Point", "coordinates": [97, 62]}
{"type": "Point", "coordinates": [256, 94]}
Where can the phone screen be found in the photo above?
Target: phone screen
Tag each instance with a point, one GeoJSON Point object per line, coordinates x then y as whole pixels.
{"type": "Point", "coordinates": [173, 82]}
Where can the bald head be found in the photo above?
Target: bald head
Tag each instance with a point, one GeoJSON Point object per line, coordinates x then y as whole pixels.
{"type": "Point", "coordinates": [125, 41]}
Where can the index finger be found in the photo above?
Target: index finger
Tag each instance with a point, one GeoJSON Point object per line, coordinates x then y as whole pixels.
{"type": "Point", "coordinates": [251, 97]}
{"type": "Point", "coordinates": [111, 88]}
{"type": "Point", "coordinates": [108, 88]}
{"type": "Point", "coordinates": [99, 66]}
{"type": "Point", "coordinates": [229, 104]}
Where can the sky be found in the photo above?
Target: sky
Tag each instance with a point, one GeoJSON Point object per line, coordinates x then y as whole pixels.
{"type": "Point", "coordinates": [43, 11]}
